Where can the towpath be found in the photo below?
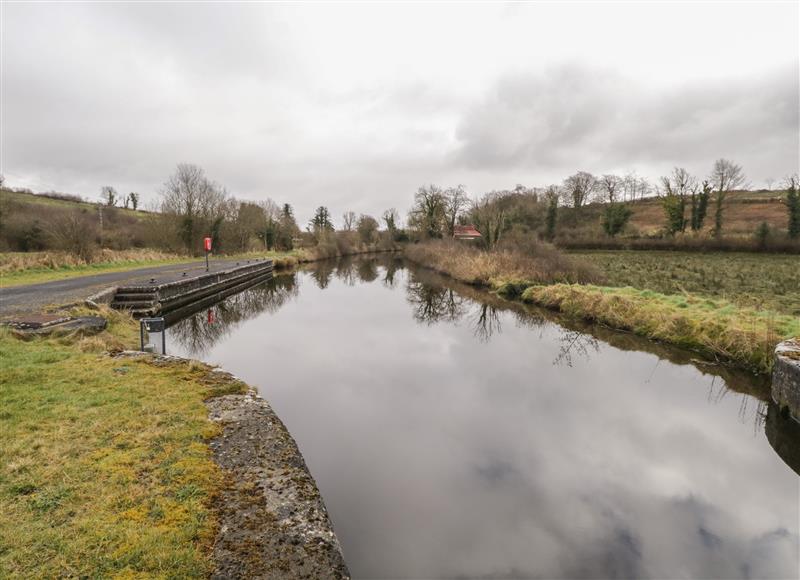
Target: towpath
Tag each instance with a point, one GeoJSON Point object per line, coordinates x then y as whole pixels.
{"type": "Point", "coordinates": [37, 297]}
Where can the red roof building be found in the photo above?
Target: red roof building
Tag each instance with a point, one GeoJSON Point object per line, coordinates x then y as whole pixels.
{"type": "Point", "coordinates": [466, 233]}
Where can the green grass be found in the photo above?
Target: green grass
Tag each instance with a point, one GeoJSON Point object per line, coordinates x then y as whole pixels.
{"type": "Point", "coordinates": [40, 200]}
{"type": "Point", "coordinates": [760, 281]}
{"type": "Point", "coordinates": [105, 468]}
{"type": "Point", "coordinates": [733, 307]}
{"type": "Point", "coordinates": [39, 275]}
{"type": "Point", "coordinates": [36, 275]}
{"type": "Point", "coordinates": [715, 328]}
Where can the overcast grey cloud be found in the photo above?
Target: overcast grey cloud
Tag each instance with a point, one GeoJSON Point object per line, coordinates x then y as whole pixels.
{"type": "Point", "coordinates": [356, 105]}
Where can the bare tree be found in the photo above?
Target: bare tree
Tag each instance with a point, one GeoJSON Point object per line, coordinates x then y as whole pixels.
{"type": "Point", "coordinates": [428, 214]}
{"type": "Point", "coordinates": [634, 187]}
{"type": "Point", "coordinates": [194, 204]}
{"type": "Point", "coordinates": [770, 182]}
{"type": "Point", "coordinates": [348, 221]}
{"type": "Point", "coordinates": [390, 218]}
{"type": "Point", "coordinates": [455, 202]}
{"type": "Point", "coordinates": [726, 176]}
{"type": "Point", "coordinates": [610, 184]}
{"type": "Point", "coordinates": [578, 188]}
{"type": "Point", "coordinates": [109, 195]}
{"type": "Point", "coordinates": [367, 228]}
{"type": "Point", "coordinates": [489, 219]}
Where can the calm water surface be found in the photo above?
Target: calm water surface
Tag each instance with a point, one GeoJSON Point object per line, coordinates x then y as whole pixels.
{"type": "Point", "coordinates": [453, 436]}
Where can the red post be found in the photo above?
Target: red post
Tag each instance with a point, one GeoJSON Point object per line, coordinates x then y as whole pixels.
{"type": "Point", "coordinates": [207, 248]}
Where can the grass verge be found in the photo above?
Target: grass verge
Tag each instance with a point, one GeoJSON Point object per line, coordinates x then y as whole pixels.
{"type": "Point", "coordinates": [730, 331]}
{"type": "Point", "coordinates": [106, 471]}
{"type": "Point", "coordinates": [715, 328]}
{"type": "Point", "coordinates": [19, 268]}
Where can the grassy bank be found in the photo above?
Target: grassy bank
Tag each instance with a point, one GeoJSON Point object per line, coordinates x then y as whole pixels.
{"type": "Point", "coordinates": [715, 328]}
{"type": "Point", "coordinates": [535, 264]}
{"type": "Point", "coordinates": [728, 329]}
{"type": "Point", "coordinates": [105, 468]}
{"type": "Point", "coordinates": [20, 268]}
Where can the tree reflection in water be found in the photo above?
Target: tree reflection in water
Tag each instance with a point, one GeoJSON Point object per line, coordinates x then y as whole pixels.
{"type": "Point", "coordinates": [433, 304]}
{"type": "Point", "coordinates": [199, 332]}
{"type": "Point", "coordinates": [391, 266]}
{"type": "Point", "coordinates": [435, 299]}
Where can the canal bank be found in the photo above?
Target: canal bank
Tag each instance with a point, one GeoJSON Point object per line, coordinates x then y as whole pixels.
{"type": "Point", "coordinates": [135, 464]}
{"type": "Point", "coordinates": [720, 330]}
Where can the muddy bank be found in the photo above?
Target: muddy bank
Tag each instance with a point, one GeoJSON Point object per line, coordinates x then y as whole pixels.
{"type": "Point", "coordinates": [273, 523]}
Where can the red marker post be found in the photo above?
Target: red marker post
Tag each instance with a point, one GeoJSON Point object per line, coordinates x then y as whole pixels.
{"type": "Point", "coordinates": [207, 248]}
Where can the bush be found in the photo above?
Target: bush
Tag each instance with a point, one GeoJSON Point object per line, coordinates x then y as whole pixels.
{"type": "Point", "coordinates": [527, 261]}
{"type": "Point", "coordinates": [74, 233]}
{"type": "Point", "coordinates": [615, 217]}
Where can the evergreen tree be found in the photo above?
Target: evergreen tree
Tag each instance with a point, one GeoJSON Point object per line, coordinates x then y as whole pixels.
{"type": "Point", "coordinates": [615, 217]}
{"type": "Point", "coordinates": [321, 223]}
{"type": "Point", "coordinates": [551, 217]}
{"type": "Point", "coordinates": [700, 206]}
{"type": "Point", "coordinates": [793, 207]}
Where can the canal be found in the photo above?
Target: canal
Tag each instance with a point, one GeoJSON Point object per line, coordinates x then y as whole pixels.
{"type": "Point", "coordinates": [454, 435]}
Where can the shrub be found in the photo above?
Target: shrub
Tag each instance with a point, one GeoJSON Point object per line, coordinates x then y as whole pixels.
{"type": "Point", "coordinates": [762, 234]}
{"type": "Point", "coordinates": [74, 233]}
{"type": "Point", "coordinates": [615, 217]}
{"type": "Point", "coordinates": [528, 261]}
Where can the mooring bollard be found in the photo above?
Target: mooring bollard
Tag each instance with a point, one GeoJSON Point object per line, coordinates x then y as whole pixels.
{"type": "Point", "coordinates": [153, 327]}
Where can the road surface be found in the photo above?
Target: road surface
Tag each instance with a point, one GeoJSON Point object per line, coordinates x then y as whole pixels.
{"type": "Point", "coordinates": [37, 297]}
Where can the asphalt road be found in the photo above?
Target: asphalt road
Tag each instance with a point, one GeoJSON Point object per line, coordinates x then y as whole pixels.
{"type": "Point", "coordinates": [37, 297]}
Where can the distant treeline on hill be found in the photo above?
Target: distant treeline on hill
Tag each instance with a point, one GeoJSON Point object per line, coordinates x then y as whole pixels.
{"type": "Point", "coordinates": [609, 211]}
{"type": "Point", "coordinates": [191, 207]}
{"type": "Point", "coordinates": [584, 211]}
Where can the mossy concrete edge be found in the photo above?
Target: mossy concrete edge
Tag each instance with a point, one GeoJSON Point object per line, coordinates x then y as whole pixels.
{"type": "Point", "coordinates": [786, 376]}
{"type": "Point", "coordinates": [273, 520]}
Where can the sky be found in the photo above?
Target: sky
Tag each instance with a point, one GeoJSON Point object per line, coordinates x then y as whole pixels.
{"type": "Point", "coordinates": [356, 105]}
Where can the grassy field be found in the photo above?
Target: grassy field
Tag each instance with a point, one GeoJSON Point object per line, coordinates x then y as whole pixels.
{"type": "Point", "coordinates": [105, 470]}
{"type": "Point", "coordinates": [13, 197]}
{"type": "Point", "coordinates": [759, 281]}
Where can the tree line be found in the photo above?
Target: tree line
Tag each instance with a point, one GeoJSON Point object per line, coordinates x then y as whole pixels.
{"type": "Point", "coordinates": [192, 206]}
{"type": "Point", "coordinates": [686, 202]}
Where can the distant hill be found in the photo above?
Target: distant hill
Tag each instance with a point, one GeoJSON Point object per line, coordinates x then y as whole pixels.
{"type": "Point", "coordinates": [60, 200]}
{"type": "Point", "coordinates": [32, 222]}
{"type": "Point", "coordinates": [744, 212]}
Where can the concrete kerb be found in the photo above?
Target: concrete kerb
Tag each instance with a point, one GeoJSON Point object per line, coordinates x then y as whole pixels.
{"type": "Point", "coordinates": [786, 376]}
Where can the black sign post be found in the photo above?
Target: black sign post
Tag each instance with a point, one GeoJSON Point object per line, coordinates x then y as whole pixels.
{"type": "Point", "coordinates": [153, 325]}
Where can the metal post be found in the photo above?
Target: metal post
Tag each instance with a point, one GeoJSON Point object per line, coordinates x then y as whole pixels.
{"type": "Point", "coordinates": [206, 260]}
